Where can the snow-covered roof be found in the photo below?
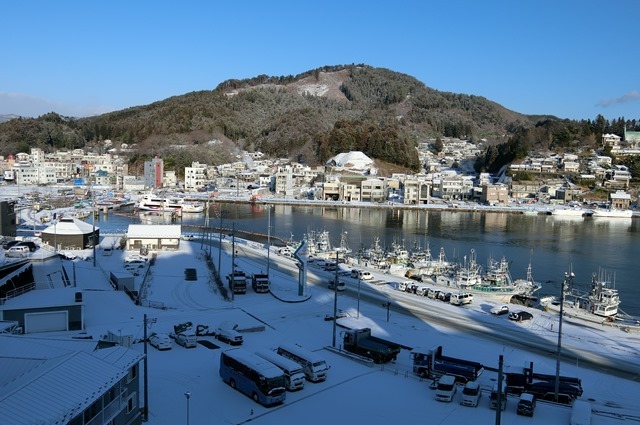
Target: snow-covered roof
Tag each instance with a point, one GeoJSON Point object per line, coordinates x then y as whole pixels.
{"type": "Point", "coordinates": [353, 159]}
{"type": "Point", "coordinates": [63, 385]}
{"type": "Point", "coordinates": [69, 226]}
{"type": "Point", "coordinates": [154, 231]}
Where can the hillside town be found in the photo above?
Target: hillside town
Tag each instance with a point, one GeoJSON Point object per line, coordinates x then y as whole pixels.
{"type": "Point", "coordinates": [446, 175]}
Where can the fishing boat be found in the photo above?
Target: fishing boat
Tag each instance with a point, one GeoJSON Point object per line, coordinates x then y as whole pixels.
{"type": "Point", "coordinates": [496, 284]}
{"type": "Point", "coordinates": [189, 207]}
{"type": "Point", "coordinates": [599, 305]}
{"type": "Point", "coordinates": [568, 212]}
{"type": "Point", "coordinates": [612, 213]}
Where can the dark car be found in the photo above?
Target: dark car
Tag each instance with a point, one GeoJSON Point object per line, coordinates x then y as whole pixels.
{"type": "Point", "coordinates": [31, 245]}
{"type": "Point", "coordinates": [520, 316]}
{"type": "Point", "coordinates": [9, 244]}
{"type": "Point", "coordinates": [526, 404]}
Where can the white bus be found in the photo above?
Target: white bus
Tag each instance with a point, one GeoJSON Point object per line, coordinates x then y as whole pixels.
{"type": "Point", "coordinates": [293, 374]}
{"type": "Point", "coordinates": [252, 375]}
{"type": "Point", "coordinates": [313, 365]}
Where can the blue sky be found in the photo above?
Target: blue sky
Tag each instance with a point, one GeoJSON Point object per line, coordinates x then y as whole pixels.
{"type": "Point", "coordinates": [573, 59]}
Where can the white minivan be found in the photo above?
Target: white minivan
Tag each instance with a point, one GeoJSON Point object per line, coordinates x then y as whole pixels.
{"type": "Point", "coordinates": [17, 252]}
{"type": "Point", "coordinates": [471, 394]}
{"type": "Point", "coordinates": [446, 388]}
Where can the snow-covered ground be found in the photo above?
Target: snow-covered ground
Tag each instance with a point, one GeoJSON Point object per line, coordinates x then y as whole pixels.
{"type": "Point", "coordinates": [353, 392]}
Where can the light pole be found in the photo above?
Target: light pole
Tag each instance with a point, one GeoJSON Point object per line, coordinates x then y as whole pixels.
{"type": "Point", "coordinates": [188, 396]}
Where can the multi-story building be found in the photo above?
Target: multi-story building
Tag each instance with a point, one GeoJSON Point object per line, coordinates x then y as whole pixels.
{"type": "Point", "coordinates": [495, 194]}
{"type": "Point", "coordinates": [153, 173]}
{"type": "Point", "coordinates": [195, 177]}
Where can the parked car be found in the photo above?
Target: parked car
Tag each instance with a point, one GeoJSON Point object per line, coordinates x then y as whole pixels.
{"type": "Point", "coordinates": [160, 341]}
{"type": "Point", "coordinates": [526, 404]}
{"type": "Point", "coordinates": [9, 244]}
{"type": "Point", "coordinates": [31, 245]}
{"type": "Point", "coordinates": [229, 336]}
{"type": "Point", "coordinates": [186, 340]}
{"type": "Point", "coordinates": [17, 252]}
{"type": "Point", "coordinates": [520, 316]}
{"type": "Point", "coordinates": [471, 394]}
{"type": "Point", "coordinates": [330, 267]}
{"type": "Point", "coordinates": [341, 285]}
{"type": "Point", "coordinates": [500, 310]}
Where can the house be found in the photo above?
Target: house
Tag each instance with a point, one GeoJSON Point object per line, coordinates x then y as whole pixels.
{"type": "Point", "coordinates": [45, 310]}
{"type": "Point", "coordinates": [71, 233]}
{"type": "Point", "coordinates": [495, 194]}
{"type": "Point", "coordinates": [65, 381]}
{"type": "Point", "coordinates": [620, 200]}
{"type": "Point", "coordinates": [156, 237]}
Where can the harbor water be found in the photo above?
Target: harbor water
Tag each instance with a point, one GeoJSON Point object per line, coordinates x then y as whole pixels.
{"type": "Point", "coordinates": [552, 245]}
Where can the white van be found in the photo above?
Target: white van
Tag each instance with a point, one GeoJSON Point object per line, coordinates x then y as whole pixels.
{"type": "Point", "coordinates": [361, 274]}
{"type": "Point", "coordinates": [313, 365]}
{"type": "Point", "coordinates": [446, 388]}
{"type": "Point", "coordinates": [580, 413]}
{"type": "Point", "coordinates": [461, 298]}
{"type": "Point", "coordinates": [107, 251]}
{"type": "Point", "coordinates": [471, 394]}
{"type": "Point", "coordinates": [293, 374]}
{"type": "Point", "coordinates": [17, 252]}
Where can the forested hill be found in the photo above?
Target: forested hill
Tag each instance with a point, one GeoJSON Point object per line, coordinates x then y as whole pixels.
{"type": "Point", "coordinates": [307, 117]}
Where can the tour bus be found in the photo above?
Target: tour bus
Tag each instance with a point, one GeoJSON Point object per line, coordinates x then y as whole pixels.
{"type": "Point", "coordinates": [293, 374]}
{"type": "Point", "coordinates": [313, 365]}
{"type": "Point", "coordinates": [252, 375]}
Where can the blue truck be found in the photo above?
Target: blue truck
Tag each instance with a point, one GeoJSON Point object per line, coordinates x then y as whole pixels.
{"type": "Point", "coordinates": [432, 364]}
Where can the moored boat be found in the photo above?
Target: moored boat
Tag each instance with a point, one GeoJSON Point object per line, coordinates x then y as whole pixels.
{"type": "Point", "coordinates": [599, 305]}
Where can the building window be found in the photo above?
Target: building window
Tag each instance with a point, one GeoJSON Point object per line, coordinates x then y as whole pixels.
{"type": "Point", "coordinates": [131, 403]}
{"type": "Point", "coordinates": [133, 373]}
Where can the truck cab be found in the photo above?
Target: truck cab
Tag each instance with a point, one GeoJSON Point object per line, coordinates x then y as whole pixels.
{"type": "Point", "coordinates": [446, 388]}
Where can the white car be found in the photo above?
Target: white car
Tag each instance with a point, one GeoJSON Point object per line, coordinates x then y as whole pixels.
{"type": "Point", "coordinates": [500, 310]}
{"type": "Point", "coordinates": [229, 336]}
{"type": "Point", "coordinates": [186, 340]}
{"type": "Point", "coordinates": [160, 341]}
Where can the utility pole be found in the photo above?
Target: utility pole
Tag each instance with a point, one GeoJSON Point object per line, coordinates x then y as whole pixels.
{"type": "Point", "coordinates": [335, 301]}
{"type": "Point", "coordinates": [145, 417]}
{"type": "Point", "coordinates": [93, 213]}
{"type": "Point", "coordinates": [568, 278]}
{"type": "Point", "coordinates": [232, 282]}
{"type": "Point", "coordinates": [500, 395]}
{"type": "Point", "coordinates": [146, 377]}
{"type": "Point", "coordinates": [268, 238]}
{"type": "Point", "coordinates": [220, 244]}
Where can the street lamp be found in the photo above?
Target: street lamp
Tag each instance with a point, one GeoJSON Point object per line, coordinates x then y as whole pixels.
{"type": "Point", "coordinates": [188, 396]}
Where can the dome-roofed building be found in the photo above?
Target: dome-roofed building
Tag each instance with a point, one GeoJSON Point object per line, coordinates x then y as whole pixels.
{"type": "Point", "coordinates": [71, 233]}
{"type": "Point", "coordinates": [354, 161]}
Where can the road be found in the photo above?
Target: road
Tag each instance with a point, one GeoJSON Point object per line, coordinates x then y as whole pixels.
{"type": "Point", "coordinates": [474, 322]}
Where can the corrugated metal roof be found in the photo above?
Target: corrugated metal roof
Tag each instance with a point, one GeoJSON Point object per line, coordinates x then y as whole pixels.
{"type": "Point", "coordinates": [58, 389]}
{"type": "Point", "coordinates": [154, 231]}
